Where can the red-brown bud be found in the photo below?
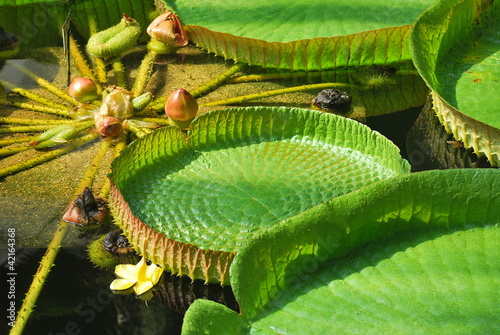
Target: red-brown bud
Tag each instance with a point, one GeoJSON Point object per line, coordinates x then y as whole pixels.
{"type": "Point", "coordinates": [108, 126]}
{"type": "Point", "coordinates": [83, 89]}
{"type": "Point", "coordinates": [181, 107]}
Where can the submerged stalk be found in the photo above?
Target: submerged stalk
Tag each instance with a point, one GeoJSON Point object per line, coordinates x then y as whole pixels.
{"type": "Point", "coordinates": [50, 255]}
{"type": "Point", "coordinates": [243, 98]}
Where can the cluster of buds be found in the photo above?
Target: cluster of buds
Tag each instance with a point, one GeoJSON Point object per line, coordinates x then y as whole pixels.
{"type": "Point", "coordinates": [116, 107]}
{"type": "Point", "coordinates": [167, 34]}
{"type": "Point", "coordinates": [181, 107]}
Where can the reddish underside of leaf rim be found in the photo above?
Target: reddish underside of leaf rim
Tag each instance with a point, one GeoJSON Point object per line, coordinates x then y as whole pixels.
{"type": "Point", "coordinates": [182, 259]}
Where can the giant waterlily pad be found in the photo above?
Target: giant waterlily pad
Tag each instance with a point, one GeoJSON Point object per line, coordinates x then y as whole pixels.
{"type": "Point", "coordinates": [431, 265]}
{"type": "Point", "coordinates": [190, 203]}
{"type": "Point", "coordinates": [456, 49]}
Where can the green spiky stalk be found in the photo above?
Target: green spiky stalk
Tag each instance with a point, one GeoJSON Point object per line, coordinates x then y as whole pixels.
{"type": "Point", "coordinates": [15, 120]}
{"type": "Point", "coordinates": [144, 73]}
{"type": "Point", "coordinates": [13, 150]}
{"type": "Point", "coordinates": [38, 108]}
{"type": "Point", "coordinates": [48, 155]}
{"type": "Point", "coordinates": [243, 98]}
{"type": "Point", "coordinates": [81, 63]}
{"type": "Point", "coordinates": [15, 140]}
{"type": "Point", "coordinates": [119, 70]}
{"type": "Point", "coordinates": [50, 255]}
{"type": "Point", "coordinates": [33, 96]}
{"type": "Point", "coordinates": [45, 84]}
{"type": "Point", "coordinates": [25, 129]}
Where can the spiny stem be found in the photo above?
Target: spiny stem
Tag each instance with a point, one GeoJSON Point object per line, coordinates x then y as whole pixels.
{"type": "Point", "coordinates": [159, 103]}
{"type": "Point", "coordinates": [248, 97]}
{"type": "Point", "coordinates": [50, 255]}
{"type": "Point", "coordinates": [119, 70]}
{"type": "Point", "coordinates": [15, 120]}
{"type": "Point", "coordinates": [81, 63]}
{"type": "Point", "coordinates": [25, 129]}
{"type": "Point", "coordinates": [38, 108]}
{"type": "Point", "coordinates": [100, 69]}
{"type": "Point", "coordinates": [143, 74]}
{"type": "Point", "coordinates": [13, 150]}
{"type": "Point", "coordinates": [48, 155]}
{"type": "Point", "coordinates": [157, 120]}
{"type": "Point", "coordinates": [122, 144]}
{"type": "Point", "coordinates": [33, 96]}
{"type": "Point", "coordinates": [45, 84]}
{"type": "Point", "coordinates": [79, 126]}
{"type": "Point", "coordinates": [217, 81]}
{"type": "Point", "coordinates": [15, 140]}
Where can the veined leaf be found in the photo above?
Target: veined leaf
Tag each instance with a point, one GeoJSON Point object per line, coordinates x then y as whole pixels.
{"type": "Point", "coordinates": [432, 265]}
{"type": "Point", "coordinates": [190, 205]}
{"type": "Point", "coordinates": [376, 47]}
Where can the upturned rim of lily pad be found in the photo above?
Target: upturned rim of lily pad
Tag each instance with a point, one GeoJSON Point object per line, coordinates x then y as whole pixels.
{"type": "Point", "coordinates": [262, 147]}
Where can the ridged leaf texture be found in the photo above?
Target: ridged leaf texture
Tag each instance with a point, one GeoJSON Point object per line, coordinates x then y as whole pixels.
{"type": "Point", "coordinates": [411, 254]}
{"type": "Point", "coordinates": [241, 171]}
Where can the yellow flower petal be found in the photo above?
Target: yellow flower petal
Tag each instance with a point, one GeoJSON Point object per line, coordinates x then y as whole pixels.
{"type": "Point", "coordinates": [154, 273]}
{"type": "Point", "coordinates": [121, 284]}
{"type": "Point", "coordinates": [142, 287]}
{"type": "Point", "coordinates": [127, 271]}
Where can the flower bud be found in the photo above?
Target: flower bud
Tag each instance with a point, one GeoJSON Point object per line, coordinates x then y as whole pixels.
{"type": "Point", "coordinates": [142, 101]}
{"type": "Point", "coordinates": [181, 107]}
{"type": "Point", "coordinates": [83, 89]}
{"type": "Point", "coordinates": [167, 29]}
{"type": "Point", "coordinates": [108, 126]}
{"type": "Point", "coordinates": [118, 103]}
{"type": "Point", "coordinates": [54, 136]}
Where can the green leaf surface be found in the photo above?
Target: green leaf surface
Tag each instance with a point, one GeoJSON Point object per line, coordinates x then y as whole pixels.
{"type": "Point", "coordinates": [456, 48]}
{"type": "Point", "coordinates": [432, 265]}
{"type": "Point", "coordinates": [293, 35]}
{"type": "Point", "coordinates": [291, 20]}
{"type": "Point", "coordinates": [244, 170]}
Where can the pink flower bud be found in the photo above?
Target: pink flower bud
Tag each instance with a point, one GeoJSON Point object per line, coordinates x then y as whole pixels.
{"type": "Point", "coordinates": [167, 28]}
{"type": "Point", "coordinates": [108, 126]}
{"type": "Point", "coordinates": [181, 107]}
{"type": "Point", "coordinates": [83, 89]}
